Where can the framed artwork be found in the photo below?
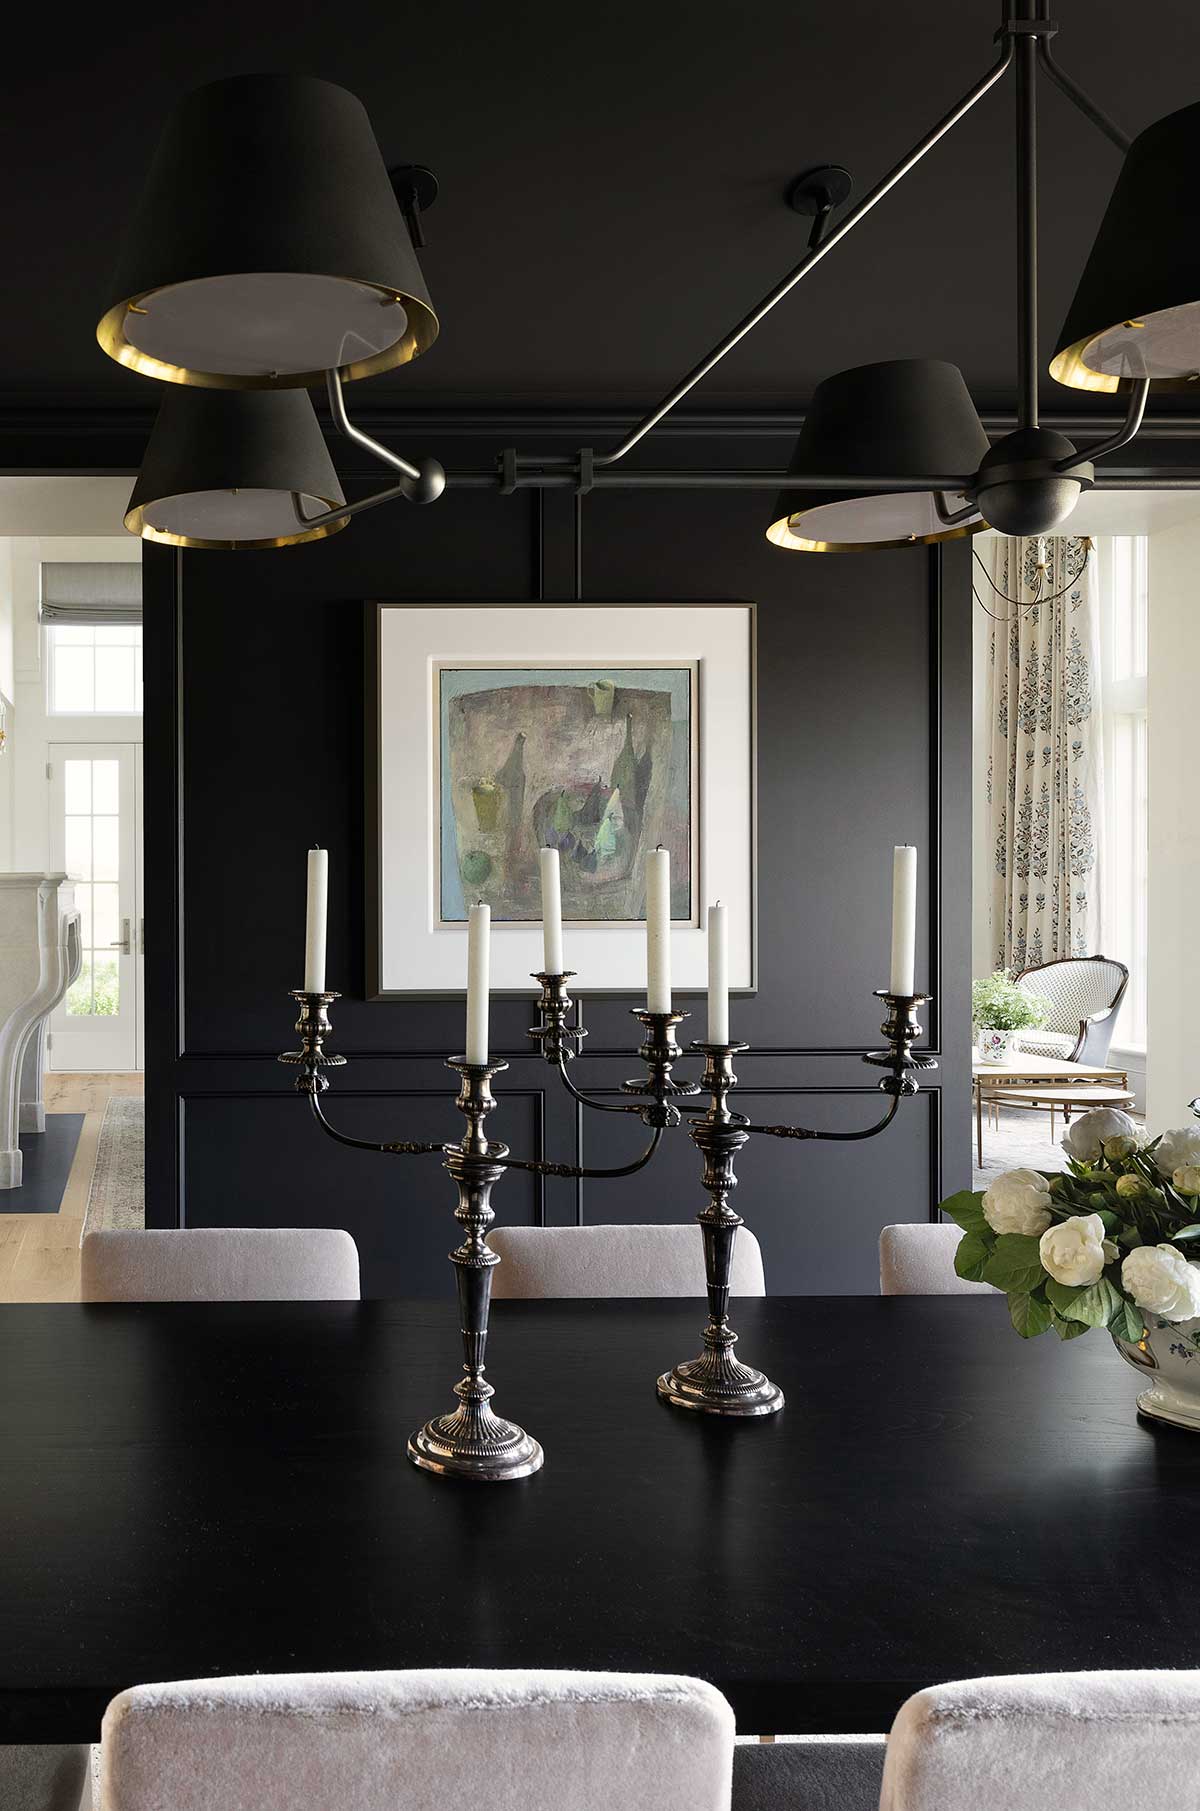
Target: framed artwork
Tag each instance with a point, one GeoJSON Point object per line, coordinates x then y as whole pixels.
{"type": "Point", "coordinates": [601, 730]}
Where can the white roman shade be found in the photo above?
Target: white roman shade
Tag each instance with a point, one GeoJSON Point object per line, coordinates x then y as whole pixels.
{"type": "Point", "coordinates": [91, 593]}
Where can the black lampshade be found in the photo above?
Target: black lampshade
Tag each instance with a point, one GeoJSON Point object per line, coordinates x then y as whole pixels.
{"type": "Point", "coordinates": [1137, 308]}
{"type": "Point", "coordinates": [234, 469]}
{"type": "Point", "coordinates": [907, 415]}
{"type": "Point", "coordinates": [268, 246]}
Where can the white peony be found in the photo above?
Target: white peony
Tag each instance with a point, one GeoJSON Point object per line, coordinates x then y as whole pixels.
{"type": "Point", "coordinates": [1086, 1135]}
{"type": "Point", "coordinates": [1178, 1149]}
{"type": "Point", "coordinates": [1187, 1179]}
{"type": "Point", "coordinates": [1018, 1201]}
{"type": "Point", "coordinates": [1073, 1251]}
{"type": "Point", "coordinates": [1161, 1280]}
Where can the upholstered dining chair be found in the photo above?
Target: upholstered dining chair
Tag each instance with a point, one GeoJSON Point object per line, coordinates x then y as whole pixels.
{"type": "Point", "coordinates": [216, 1264]}
{"type": "Point", "coordinates": [1084, 994]}
{"type": "Point", "coordinates": [513, 1741]}
{"type": "Point", "coordinates": [919, 1260]}
{"type": "Point", "coordinates": [1047, 1742]}
{"type": "Point", "coordinates": [614, 1261]}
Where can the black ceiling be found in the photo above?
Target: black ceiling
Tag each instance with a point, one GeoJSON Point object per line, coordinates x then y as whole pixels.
{"type": "Point", "coordinates": [611, 179]}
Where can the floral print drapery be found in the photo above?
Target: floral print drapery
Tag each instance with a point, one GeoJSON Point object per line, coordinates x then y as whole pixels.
{"type": "Point", "coordinates": [1044, 771]}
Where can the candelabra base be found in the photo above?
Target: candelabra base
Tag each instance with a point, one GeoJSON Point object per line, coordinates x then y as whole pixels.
{"type": "Point", "coordinates": [473, 1443]}
{"type": "Point", "coordinates": [717, 1383]}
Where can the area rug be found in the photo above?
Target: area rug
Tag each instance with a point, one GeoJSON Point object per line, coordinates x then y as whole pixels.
{"type": "Point", "coordinates": [117, 1197]}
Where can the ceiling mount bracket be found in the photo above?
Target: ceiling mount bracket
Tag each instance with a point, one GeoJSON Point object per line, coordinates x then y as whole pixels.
{"type": "Point", "coordinates": [585, 476]}
{"type": "Point", "coordinates": [416, 189]}
{"type": "Point", "coordinates": [823, 187]}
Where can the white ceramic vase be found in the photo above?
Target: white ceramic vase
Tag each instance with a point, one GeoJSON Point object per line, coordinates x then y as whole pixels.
{"type": "Point", "coordinates": [995, 1046]}
{"type": "Point", "coordinates": [1168, 1357]}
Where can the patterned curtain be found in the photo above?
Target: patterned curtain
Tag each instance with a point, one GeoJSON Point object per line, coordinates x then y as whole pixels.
{"type": "Point", "coordinates": [1045, 768]}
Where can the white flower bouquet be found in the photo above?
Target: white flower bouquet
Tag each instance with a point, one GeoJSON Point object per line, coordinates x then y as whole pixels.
{"type": "Point", "coordinates": [1103, 1243]}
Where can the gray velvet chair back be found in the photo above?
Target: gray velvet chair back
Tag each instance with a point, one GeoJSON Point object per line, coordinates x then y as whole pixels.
{"type": "Point", "coordinates": [209, 1264]}
{"type": "Point", "coordinates": [406, 1741]}
{"type": "Point", "coordinates": [919, 1260]}
{"type": "Point", "coordinates": [596, 1261]}
{"type": "Point", "coordinates": [1047, 1742]}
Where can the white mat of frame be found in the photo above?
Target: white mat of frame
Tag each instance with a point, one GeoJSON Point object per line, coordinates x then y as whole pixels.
{"type": "Point", "coordinates": [117, 1197]}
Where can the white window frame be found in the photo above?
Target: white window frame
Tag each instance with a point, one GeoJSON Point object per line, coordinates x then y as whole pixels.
{"type": "Point", "coordinates": [49, 654]}
{"type": "Point", "coordinates": [1123, 560]}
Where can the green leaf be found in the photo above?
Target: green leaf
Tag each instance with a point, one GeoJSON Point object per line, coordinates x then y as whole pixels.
{"type": "Point", "coordinates": [1028, 1314]}
{"type": "Point", "coordinates": [1130, 1236]}
{"type": "Point", "coordinates": [1112, 1220]}
{"type": "Point", "coordinates": [966, 1210]}
{"type": "Point", "coordinates": [1068, 1329]}
{"type": "Point", "coordinates": [971, 1257]}
{"type": "Point", "coordinates": [1015, 1265]}
{"type": "Point", "coordinates": [1127, 1322]}
{"type": "Point", "coordinates": [1061, 1295]}
{"type": "Point", "coordinates": [1187, 1232]}
{"type": "Point", "coordinates": [1094, 1306]}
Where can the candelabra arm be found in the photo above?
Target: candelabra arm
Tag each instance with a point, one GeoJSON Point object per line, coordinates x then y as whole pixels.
{"type": "Point", "coordinates": [397, 1149]}
{"type": "Point", "coordinates": [835, 1137]}
{"type": "Point", "coordinates": [585, 1100]}
{"type": "Point", "coordinates": [539, 1167]}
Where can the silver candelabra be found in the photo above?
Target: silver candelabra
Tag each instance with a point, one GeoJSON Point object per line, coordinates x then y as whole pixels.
{"type": "Point", "coordinates": [471, 1440]}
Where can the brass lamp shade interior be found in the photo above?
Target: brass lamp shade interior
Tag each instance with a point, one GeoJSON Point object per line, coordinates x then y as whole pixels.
{"type": "Point", "coordinates": [268, 246]}
{"type": "Point", "coordinates": [902, 416]}
{"type": "Point", "coordinates": [230, 470]}
{"type": "Point", "coordinates": [1136, 311]}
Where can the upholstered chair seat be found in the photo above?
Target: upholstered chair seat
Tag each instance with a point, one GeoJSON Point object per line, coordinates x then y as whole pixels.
{"type": "Point", "coordinates": [406, 1741]}
{"type": "Point", "coordinates": [809, 1773]}
{"type": "Point", "coordinates": [35, 1776]}
{"type": "Point", "coordinates": [217, 1264]}
{"type": "Point", "coordinates": [919, 1260]}
{"type": "Point", "coordinates": [610, 1261]}
{"type": "Point", "coordinates": [1047, 1742]}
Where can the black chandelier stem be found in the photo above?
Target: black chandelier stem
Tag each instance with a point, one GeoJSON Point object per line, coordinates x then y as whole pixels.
{"type": "Point", "coordinates": [1027, 232]}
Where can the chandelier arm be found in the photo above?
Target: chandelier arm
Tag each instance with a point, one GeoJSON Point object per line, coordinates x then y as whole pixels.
{"type": "Point", "coordinates": [950, 516]}
{"type": "Point", "coordinates": [1079, 99]}
{"type": "Point", "coordinates": [421, 483]}
{"type": "Point", "coordinates": [1139, 391]}
{"type": "Point", "coordinates": [812, 258]}
{"type": "Point", "coordinates": [836, 1137]}
{"type": "Point", "coordinates": [1030, 603]}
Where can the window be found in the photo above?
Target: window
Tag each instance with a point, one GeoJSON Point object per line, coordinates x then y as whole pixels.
{"type": "Point", "coordinates": [92, 825]}
{"type": "Point", "coordinates": [94, 671]}
{"type": "Point", "coordinates": [1124, 638]}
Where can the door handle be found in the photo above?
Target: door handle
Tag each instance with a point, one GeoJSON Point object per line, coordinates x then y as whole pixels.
{"type": "Point", "coordinates": [124, 944]}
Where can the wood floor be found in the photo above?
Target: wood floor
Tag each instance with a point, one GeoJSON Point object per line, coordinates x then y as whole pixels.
{"type": "Point", "coordinates": [39, 1253]}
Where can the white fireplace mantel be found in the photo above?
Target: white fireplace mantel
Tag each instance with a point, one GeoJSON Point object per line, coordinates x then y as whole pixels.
{"type": "Point", "coordinates": [39, 957]}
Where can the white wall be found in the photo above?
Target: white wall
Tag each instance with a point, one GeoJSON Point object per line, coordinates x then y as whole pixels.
{"type": "Point", "coordinates": [24, 789]}
{"type": "Point", "coordinates": [1173, 781]}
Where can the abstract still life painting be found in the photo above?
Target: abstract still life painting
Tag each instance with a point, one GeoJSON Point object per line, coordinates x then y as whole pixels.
{"type": "Point", "coordinates": [596, 762]}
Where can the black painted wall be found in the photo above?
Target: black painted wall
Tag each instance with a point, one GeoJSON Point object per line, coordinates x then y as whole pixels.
{"type": "Point", "coordinates": [254, 731]}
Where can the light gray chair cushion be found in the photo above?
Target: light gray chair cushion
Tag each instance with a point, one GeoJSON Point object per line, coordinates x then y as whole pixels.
{"type": "Point", "coordinates": [417, 1741]}
{"type": "Point", "coordinates": [809, 1773]}
{"type": "Point", "coordinates": [614, 1261]}
{"type": "Point", "coordinates": [1058, 1044]}
{"type": "Point", "coordinates": [37, 1776]}
{"type": "Point", "coordinates": [1047, 1742]}
{"type": "Point", "coordinates": [202, 1264]}
{"type": "Point", "coordinates": [919, 1260]}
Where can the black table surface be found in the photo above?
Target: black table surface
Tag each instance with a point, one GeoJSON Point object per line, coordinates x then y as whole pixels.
{"type": "Point", "coordinates": [192, 1490]}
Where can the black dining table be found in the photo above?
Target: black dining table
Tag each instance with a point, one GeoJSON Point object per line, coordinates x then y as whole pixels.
{"type": "Point", "coordinates": [191, 1490]}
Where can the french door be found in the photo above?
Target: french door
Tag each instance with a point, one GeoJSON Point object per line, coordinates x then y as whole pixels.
{"type": "Point", "coordinates": [96, 836]}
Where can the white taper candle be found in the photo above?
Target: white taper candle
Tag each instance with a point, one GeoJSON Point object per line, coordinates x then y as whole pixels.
{"type": "Point", "coordinates": [314, 922]}
{"type": "Point", "coordinates": [552, 944]}
{"type": "Point", "coordinates": [479, 930]}
{"type": "Point", "coordinates": [718, 975]}
{"type": "Point", "coordinates": [904, 919]}
{"type": "Point", "coordinates": [658, 930]}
